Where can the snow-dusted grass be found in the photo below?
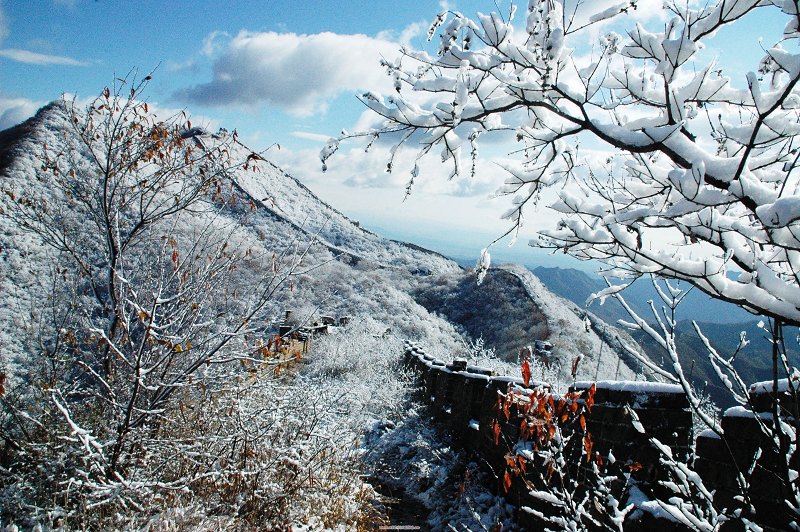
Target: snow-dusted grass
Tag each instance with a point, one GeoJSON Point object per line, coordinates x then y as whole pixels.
{"type": "Point", "coordinates": [403, 451]}
{"type": "Point", "coordinates": [415, 462]}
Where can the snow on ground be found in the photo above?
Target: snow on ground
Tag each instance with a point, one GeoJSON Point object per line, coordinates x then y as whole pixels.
{"type": "Point", "coordinates": [436, 486]}
{"type": "Point", "coordinates": [430, 483]}
{"type": "Point", "coordinates": [405, 454]}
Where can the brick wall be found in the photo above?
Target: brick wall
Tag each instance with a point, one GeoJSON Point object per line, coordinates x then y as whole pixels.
{"type": "Point", "coordinates": [464, 398]}
{"type": "Point", "coordinates": [746, 451]}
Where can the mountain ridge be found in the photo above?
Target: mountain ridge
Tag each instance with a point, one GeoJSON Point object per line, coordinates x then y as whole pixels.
{"type": "Point", "coordinates": [283, 209]}
{"type": "Point", "coordinates": [578, 286]}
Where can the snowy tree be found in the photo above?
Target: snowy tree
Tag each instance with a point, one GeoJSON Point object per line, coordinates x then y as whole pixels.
{"type": "Point", "coordinates": [696, 161]}
{"type": "Point", "coordinates": [700, 181]}
{"type": "Point", "coordinates": [155, 338]}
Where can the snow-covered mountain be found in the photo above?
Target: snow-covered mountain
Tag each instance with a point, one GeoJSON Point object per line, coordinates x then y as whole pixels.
{"type": "Point", "coordinates": [355, 272]}
{"type": "Point", "coordinates": [97, 348]}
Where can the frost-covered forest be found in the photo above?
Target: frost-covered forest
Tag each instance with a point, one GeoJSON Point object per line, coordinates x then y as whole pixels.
{"type": "Point", "coordinates": [148, 265]}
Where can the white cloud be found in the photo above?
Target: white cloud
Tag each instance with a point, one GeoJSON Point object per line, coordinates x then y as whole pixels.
{"type": "Point", "coordinates": [214, 42]}
{"type": "Point", "coordinates": [188, 65]}
{"type": "Point", "coordinates": [35, 58]}
{"type": "Point", "coordinates": [357, 184]}
{"type": "Point", "coordinates": [645, 10]}
{"type": "Point", "coordinates": [353, 168]}
{"type": "Point", "coordinates": [297, 73]}
{"type": "Point", "coordinates": [368, 120]}
{"type": "Point", "coordinates": [404, 37]}
{"type": "Point", "coordinates": [16, 110]}
{"type": "Point", "coordinates": [316, 137]}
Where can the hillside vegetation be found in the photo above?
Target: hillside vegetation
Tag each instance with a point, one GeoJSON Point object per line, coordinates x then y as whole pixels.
{"type": "Point", "coordinates": [146, 265]}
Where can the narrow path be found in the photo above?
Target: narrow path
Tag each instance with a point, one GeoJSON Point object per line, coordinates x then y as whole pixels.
{"type": "Point", "coordinates": [403, 511]}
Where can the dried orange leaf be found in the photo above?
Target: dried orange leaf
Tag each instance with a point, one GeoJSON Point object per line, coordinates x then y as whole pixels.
{"type": "Point", "coordinates": [526, 373]}
{"type": "Point", "coordinates": [506, 481]}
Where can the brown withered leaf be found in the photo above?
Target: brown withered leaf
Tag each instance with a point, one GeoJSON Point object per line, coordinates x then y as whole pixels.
{"type": "Point", "coordinates": [507, 481]}
{"type": "Point", "coordinates": [526, 373]}
{"type": "Point", "coordinates": [588, 444]}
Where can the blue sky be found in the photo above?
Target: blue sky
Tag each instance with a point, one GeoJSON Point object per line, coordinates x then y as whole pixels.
{"type": "Point", "coordinates": [80, 46]}
{"type": "Point", "coordinates": [282, 72]}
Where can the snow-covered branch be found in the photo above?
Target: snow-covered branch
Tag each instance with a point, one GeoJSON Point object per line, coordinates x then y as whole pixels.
{"type": "Point", "coordinates": [702, 184]}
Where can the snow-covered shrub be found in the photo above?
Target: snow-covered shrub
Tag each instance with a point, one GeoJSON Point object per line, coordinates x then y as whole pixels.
{"type": "Point", "coordinates": [341, 353]}
{"type": "Point", "coordinates": [149, 390]}
{"type": "Point", "coordinates": [363, 360]}
{"type": "Point", "coordinates": [543, 370]}
{"type": "Point", "coordinates": [270, 452]}
{"type": "Point", "coordinates": [477, 353]}
{"type": "Point", "coordinates": [255, 452]}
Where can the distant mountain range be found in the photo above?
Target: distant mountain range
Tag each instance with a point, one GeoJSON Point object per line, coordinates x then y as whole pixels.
{"type": "Point", "coordinates": [720, 322]}
{"type": "Point", "coordinates": [578, 286]}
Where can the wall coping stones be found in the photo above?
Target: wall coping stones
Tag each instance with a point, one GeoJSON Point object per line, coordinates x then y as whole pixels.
{"type": "Point", "coordinates": [639, 394]}
{"type": "Point", "coordinates": [762, 396]}
{"type": "Point", "coordinates": [480, 370]}
{"type": "Point", "coordinates": [476, 376]}
{"type": "Point", "coordinates": [766, 386]}
{"type": "Point", "coordinates": [508, 379]}
{"type": "Point", "coordinates": [631, 386]}
{"type": "Point", "coordinates": [708, 433]}
{"type": "Point", "coordinates": [458, 364]}
{"type": "Point", "coordinates": [434, 362]}
{"type": "Point", "coordinates": [740, 411]}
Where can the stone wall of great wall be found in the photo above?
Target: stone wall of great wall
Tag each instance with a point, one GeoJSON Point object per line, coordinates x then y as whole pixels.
{"type": "Point", "coordinates": [296, 339]}
{"type": "Point", "coordinates": [464, 399]}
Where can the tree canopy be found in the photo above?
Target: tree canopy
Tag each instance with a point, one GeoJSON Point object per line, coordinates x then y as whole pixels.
{"type": "Point", "coordinates": [701, 180]}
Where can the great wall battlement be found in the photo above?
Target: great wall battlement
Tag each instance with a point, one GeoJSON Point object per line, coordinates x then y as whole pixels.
{"type": "Point", "coordinates": [465, 399]}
